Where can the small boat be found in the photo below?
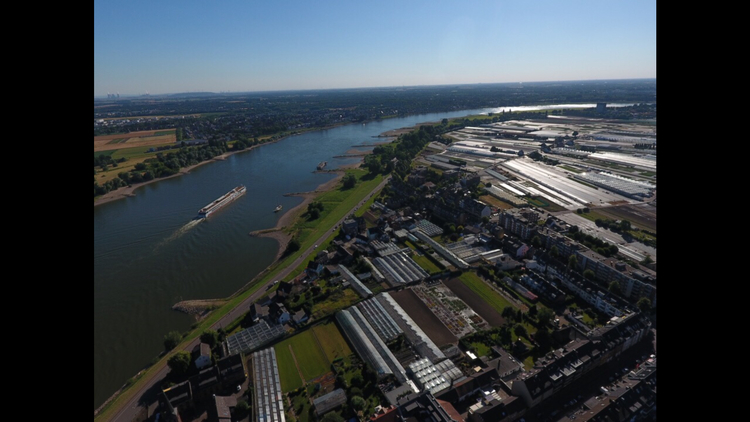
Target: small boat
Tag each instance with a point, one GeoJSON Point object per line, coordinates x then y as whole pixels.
{"type": "Point", "coordinates": [277, 209]}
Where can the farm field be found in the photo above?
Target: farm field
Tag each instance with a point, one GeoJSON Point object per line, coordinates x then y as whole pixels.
{"type": "Point", "coordinates": [314, 350]}
{"type": "Point", "coordinates": [494, 202]}
{"type": "Point", "coordinates": [288, 374]}
{"type": "Point", "coordinates": [640, 215]}
{"type": "Point", "coordinates": [331, 341]}
{"type": "Point", "coordinates": [485, 292]}
{"type": "Point", "coordinates": [146, 138]}
{"type": "Point", "coordinates": [476, 302]}
{"type": "Point", "coordinates": [421, 314]}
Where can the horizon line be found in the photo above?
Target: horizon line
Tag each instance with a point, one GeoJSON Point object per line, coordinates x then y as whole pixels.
{"type": "Point", "coordinates": [363, 88]}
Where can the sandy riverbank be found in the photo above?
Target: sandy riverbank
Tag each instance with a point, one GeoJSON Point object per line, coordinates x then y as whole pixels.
{"type": "Point", "coordinates": [279, 233]}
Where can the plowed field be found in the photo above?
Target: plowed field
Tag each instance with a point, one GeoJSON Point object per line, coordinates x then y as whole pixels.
{"type": "Point", "coordinates": [421, 314]}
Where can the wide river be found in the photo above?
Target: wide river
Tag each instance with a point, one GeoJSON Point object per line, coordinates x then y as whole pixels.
{"type": "Point", "coordinates": [149, 253]}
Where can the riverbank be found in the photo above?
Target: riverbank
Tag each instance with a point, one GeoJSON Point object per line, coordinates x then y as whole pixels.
{"type": "Point", "coordinates": [129, 191]}
{"type": "Point", "coordinates": [279, 233]}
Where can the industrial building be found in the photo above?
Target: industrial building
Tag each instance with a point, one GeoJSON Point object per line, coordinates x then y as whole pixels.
{"type": "Point", "coordinates": [268, 402]}
{"type": "Point", "coordinates": [368, 344]}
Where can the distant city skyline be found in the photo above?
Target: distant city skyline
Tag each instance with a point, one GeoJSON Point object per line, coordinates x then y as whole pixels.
{"type": "Point", "coordinates": [171, 47]}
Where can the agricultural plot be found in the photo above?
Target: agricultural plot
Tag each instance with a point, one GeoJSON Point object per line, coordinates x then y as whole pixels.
{"type": "Point", "coordinates": [421, 314]}
{"type": "Point", "coordinates": [288, 373]}
{"type": "Point", "coordinates": [640, 215]}
{"type": "Point", "coordinates": [483, 299]}
{"type": "Point", "coordinates": [308, 355]}
{"type": "Point", "coordinates": [453, 312]}
{"type": "Point", "coordinates": [331, 341]}
{"type": "Point", "coordinates": [146, 138]}
{"type": "Point", "coordinates": [311, 359]}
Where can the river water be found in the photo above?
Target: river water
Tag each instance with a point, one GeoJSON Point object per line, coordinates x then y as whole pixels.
{"type": "Point", "coordinates": [149, 253]}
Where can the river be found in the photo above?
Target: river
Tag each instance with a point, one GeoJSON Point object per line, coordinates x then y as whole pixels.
{"type": "Point", "coordinates": [149, 253]}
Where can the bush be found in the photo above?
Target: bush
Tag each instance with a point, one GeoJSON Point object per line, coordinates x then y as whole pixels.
{"type": "Point", "coordinates": [171, 340]}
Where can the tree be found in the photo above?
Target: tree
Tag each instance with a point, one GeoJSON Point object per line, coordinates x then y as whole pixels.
{"type": "Point", "coordinates": [533, 311]}
{"type": "Point", "coordinates": [210, 337]}
{"type": "Point", "coordinates": [292, 247]}
{"type": "Point", "coordinates": [179, 363]}
{"type": "Point", "coordinates": [614, 287]}
{"type": "Point", "coordinates": [358, 403]}
{"type": "Point", "coordinates": [242, 409]}
{"type": "Point", "coordinates": [171, 340]}
{"type": "Point", "coordinates": [644, 304]}
{"type": "Point", "coordinates": [536, 242]}
{"type": "Point", "coordinates": [545, 316]}
{"type": "Point", "coordinates": [508, 313]}
{"type": "Point", "coordinates": [543, 338]}
{"type": "Point", "coordinates": [572, 262]}
{"type": "Point", "coordinates": [589, 274]}
{"type": "Point", "coordinates": [357, 380]}
{"type": "Point", "coordinates": [520, 330]}
{"type": "Point", "coordinates": [332, 417]}
{"type": "Point", "coordinates": [349, 181]}
{"type": "Point", "coordinates": [554, 251]}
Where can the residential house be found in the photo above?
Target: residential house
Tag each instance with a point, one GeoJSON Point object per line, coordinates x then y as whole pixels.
{"type": "Point", "coordinates": [202, 355]}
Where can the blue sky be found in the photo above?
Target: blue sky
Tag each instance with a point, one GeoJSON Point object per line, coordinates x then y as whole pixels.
{"type": "Point", "coordinates": [170, 46]}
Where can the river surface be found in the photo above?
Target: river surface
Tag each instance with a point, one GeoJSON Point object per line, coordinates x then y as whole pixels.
{"type": "Point", "coordinates": [150, 253]}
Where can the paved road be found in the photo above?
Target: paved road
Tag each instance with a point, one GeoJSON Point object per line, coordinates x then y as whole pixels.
{"type": "Point", "coordinates": [147, 394]}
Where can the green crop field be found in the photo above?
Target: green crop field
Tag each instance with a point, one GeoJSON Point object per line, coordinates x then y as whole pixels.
{"type": "Point", "coordinates": [331, 340]}
{"type": "Point", "coordinates": [288, 374]}
{"type": "Point", "coordinates": [425, 263]}
{"type": "Point", "coordinates": [310, 358]}
{"type": "Point", "coordinates": [486, 292]}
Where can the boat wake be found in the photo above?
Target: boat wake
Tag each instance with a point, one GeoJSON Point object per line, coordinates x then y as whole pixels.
{"type": "Point", "coordinates": [179, 232]}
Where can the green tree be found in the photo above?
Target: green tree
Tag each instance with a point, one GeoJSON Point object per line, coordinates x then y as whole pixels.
{"type": "Point", "coordinates": [545, 316]}
{"type": "Point", "coordinates": [171, 340]}
{"type": "Point", "coordinates": [349, 181]}
{"type": "Point", "coordinates": [543, 339]}
{"type": "Point", "coordinates": [589, 274]}
{"type": "Point", "coordinates": [554, 251]}
{"type": "Point", "coordinates": [572, 262]}
{"type": "Point", "coordinates": [332, 417]}
{"type": "Point", "coordinates": [520, 330]}
{"type": "Point", "coordinates": [242, 409]}
{"type": "Point", "coordinates": [614, 287]}
{"type": "Point", "coordinates": [509, 313]}
{"type": "Point", "coordinates": [533, 311]}
{"type": "Point", "coordinates": [536, 242]}
{"type": "Point", "coordinates": [210, 337]}
{"type": "Point", "coordinates": [644, 304]}
{"type": "Point", "coordinates": [292, 247]}
{"type": "Point", "coordinates": [357, 380]}
{"type": "Point", "coordinates": [358, 403]}
{"type": "Point", "coordinates": [179, 363]}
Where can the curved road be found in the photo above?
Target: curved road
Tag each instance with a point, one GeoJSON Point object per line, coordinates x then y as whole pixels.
{"type": "Point", "coordinates": [146, 395]}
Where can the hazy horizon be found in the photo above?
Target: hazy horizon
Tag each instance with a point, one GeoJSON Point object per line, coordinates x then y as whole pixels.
{"type": "Point", "coordinates": [171, 47]}
{"type": "Point", "coordinates": [186, 93]}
